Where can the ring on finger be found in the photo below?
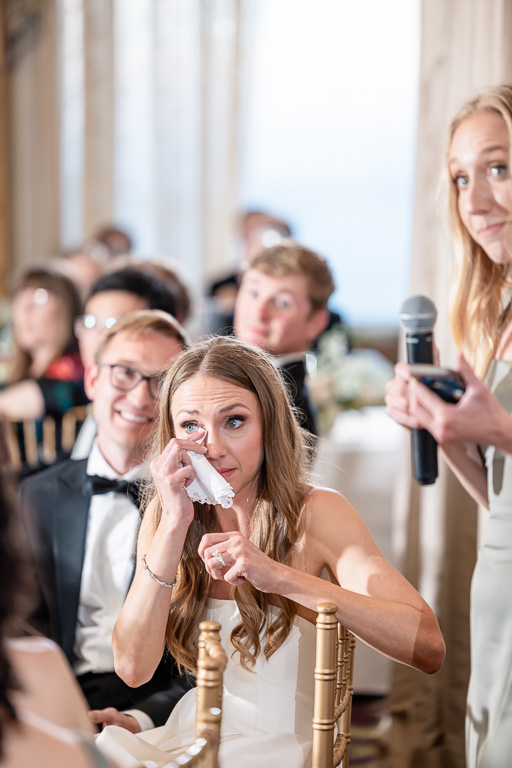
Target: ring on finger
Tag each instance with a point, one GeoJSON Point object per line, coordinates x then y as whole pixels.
{"type": "Point", "coordinates": [219, 557]}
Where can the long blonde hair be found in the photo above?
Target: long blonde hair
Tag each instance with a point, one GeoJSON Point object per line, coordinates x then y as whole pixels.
{"type": "Point", "coordinates": [275, 520]}
{"type": "Point", "coordinates": [477, 312]}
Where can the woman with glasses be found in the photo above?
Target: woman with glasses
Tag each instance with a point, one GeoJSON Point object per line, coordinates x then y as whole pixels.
{"type": "Point", "coordinates": [45, 374]}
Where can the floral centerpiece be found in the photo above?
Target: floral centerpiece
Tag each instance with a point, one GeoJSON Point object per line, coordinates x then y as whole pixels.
{"type": "Point", "coordinates": [342, 379]}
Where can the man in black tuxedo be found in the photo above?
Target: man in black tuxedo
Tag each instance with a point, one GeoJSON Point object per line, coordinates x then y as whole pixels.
{"type": "Point", "coordinates": [281, 306]}
{"type": "Point", "coordinates": [83, 521]}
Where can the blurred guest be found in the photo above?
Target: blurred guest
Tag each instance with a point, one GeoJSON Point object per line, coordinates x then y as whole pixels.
{"type": "Point", "coordinates": [85, 265]}
{"type": "Point", "coordinates": [174, 282]}
{"type": "Point", "coordinates": [258, 230]}
{"type": "Point", "coordinates": [116, 294]}
{"type": "Point", "coordinates": [45, 375]}
{"type": "Point", "coordinates": [281, 307]}
{"type": "Point", "coordinates": [43, 716]}
{"type": "Point", "coordinates": [168, 274]}
{"type": "Point", "coordinates": [117, 241]}
{"type": "Point", "coordinates": [262, 230]}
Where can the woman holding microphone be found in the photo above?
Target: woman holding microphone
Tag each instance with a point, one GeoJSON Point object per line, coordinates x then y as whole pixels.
{"type": "Point", "coordinates": [475, 435]}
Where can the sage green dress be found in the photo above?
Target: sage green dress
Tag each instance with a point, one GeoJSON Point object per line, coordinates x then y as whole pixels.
{"type": "Point", "coordinates": [489, 704]}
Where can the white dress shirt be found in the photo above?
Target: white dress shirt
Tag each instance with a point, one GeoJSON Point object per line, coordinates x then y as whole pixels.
{"type": "Point", "coordinates": [108, 567]}
{"type": "Point", "coordinates": [85, 438]}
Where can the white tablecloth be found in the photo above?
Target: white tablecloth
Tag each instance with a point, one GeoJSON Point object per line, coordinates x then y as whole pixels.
{"type": "Point", "coordinates": [359, 458]}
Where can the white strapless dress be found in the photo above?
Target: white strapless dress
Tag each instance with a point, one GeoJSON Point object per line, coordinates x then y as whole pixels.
{"type": "Point", "coordinates": [266, 712]}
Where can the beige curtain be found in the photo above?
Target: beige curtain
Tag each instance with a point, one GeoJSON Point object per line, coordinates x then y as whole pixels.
{"type": "Point", "coordinates": [98, 193]}
{"type": "Point", "coordinates": [465, 46]}
{"type": "Point", "coordinates": [33, 128]}
{"type": "Point", "coordinates": [187, 110]}
{"type": "Point", "coordinates": [220, 43]}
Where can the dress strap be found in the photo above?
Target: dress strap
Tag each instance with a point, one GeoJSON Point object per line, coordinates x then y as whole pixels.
{"type": "Point", "coordinates": [97, 759]}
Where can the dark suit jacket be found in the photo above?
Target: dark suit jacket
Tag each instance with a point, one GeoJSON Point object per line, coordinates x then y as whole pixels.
{"type": "Point", "coordinates": [56, 509]}
{"type": "Point", "coordinates": [294, 375]}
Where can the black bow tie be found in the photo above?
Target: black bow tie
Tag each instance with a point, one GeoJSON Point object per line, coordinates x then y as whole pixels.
{"type": "Point", "coordinates": [95, 484]}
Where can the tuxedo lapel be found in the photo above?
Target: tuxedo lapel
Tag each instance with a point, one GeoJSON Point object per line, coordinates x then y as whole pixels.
{"type": "Point", "coordinates": [70, 528]}
{"type": "Point", "coordinates": [294, 375]}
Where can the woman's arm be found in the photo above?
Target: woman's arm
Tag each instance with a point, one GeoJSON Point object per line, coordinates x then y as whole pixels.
{"type": "Point", "coordinates": [466, 463]}
{"type": "Point", "coordinates": [374, 600]}
{"type": "Point", "coordinates": [139, 634]}
{"type": "Point", "coordinates": [23, 400]}
{"type": "Point", "coordinates": [48, 687]}
{"type": "Point", "coordinates": [138, 639]}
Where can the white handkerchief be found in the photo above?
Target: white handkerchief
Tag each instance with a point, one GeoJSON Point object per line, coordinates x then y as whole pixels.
{"type": "Point", "coordinates": [208, 486]}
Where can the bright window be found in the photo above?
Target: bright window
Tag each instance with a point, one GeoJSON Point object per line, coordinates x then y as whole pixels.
{"type": "Point", "coordinates": [329, 138]}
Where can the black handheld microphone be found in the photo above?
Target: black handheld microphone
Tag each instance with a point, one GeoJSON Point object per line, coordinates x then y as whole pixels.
{"type": "Point", "coordinates": [418, 315]}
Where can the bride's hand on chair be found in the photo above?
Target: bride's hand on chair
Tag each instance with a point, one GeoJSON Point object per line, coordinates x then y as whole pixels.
{"type": "Point", "coordinates": [231, 557]}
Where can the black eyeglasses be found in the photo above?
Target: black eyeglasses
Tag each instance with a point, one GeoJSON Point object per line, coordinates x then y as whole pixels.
{"type": "Point", "coordinates": [125, 378]}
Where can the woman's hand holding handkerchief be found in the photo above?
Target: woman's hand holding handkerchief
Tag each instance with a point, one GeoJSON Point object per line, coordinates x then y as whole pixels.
{"type": "Point", "coordinates": [208, 486]}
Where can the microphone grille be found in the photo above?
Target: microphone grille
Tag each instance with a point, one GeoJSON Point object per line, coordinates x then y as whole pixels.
{"type": "Point", "coordinates": [418, 314]}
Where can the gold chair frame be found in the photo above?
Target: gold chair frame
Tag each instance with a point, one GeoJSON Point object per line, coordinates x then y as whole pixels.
{"type": "Point", "coordinates": [47, 450]}
{"type": "Point", "coordinates": [211, 662]}
{"type": "Point", "coordinates": [335, 647]}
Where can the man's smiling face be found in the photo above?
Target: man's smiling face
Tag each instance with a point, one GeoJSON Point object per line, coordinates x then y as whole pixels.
{"type": "Point", "coordinates": [126, 419]}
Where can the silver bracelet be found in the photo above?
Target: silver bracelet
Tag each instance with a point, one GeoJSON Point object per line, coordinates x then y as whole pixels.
{"type": "Point", "coordinates": [155, 578]}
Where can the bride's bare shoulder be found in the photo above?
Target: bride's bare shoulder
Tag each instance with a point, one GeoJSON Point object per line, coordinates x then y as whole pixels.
{"type": "Point", "coordinates": [316, 496]}
{"type": "Point", "coordinates": [323, 504]}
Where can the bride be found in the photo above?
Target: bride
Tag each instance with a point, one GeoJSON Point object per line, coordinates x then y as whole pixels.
{"type": "Point", "coordinates": [260, 566]}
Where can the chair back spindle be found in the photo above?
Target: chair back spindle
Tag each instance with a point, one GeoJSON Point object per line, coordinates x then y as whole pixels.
{"type": "Point", "coordinates": [333, 690]}
{"type": "Point", "coordinates": [210, 667]}
{"type": "Point", "coordinates": [211, 662]}
{"type": "Point", "coordinates": [32, 443]}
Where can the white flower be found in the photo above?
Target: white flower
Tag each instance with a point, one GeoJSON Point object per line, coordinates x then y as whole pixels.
{"type": "Point", "coordinates": [348, 379]}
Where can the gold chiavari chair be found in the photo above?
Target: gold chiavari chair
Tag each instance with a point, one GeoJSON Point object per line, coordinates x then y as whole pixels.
{"type": "Point", "coordinates": [33, 443]}
{"type": "Point", "coordinates": [333, 690]}
{"type": "Point", "coordinates": [210, 667]}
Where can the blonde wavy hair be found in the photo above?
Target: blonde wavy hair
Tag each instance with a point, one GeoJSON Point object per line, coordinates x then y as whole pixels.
{"type": "Point", "coordinates": [276, 517]}
{"type": "Point", "coordinates": [477, 312]}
